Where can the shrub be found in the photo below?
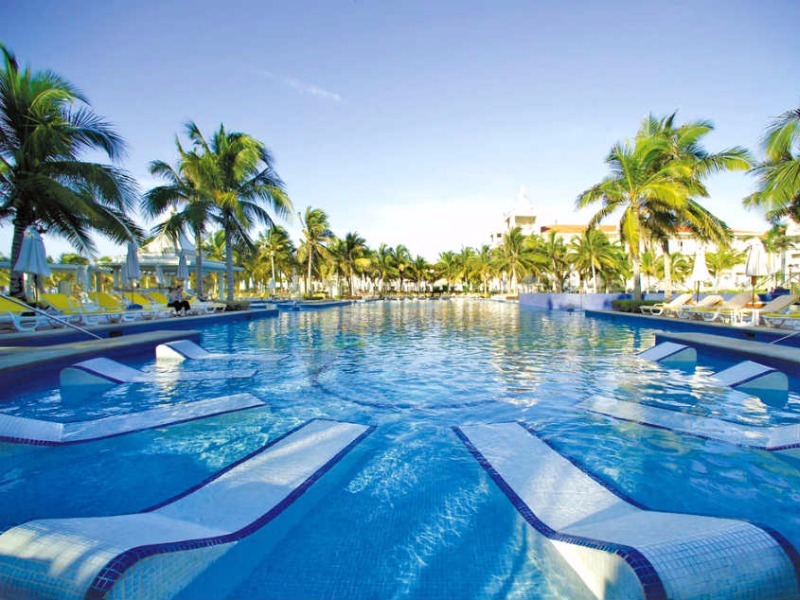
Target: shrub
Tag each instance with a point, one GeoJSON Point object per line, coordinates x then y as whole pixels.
{"type": "Point", "coordinates": [631, 306]}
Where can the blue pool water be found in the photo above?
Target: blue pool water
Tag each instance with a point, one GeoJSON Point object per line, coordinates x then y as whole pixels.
{"type": "Point", "coordinates": [409, 513]}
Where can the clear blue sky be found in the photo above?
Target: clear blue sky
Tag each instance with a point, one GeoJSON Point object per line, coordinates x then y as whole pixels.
{"type": "Point", "coordinates": [417, 122]}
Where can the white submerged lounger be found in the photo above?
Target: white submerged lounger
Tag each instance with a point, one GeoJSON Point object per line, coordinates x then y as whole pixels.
{"type": "Point", "coordinates": [48, 433]}
{"type": "Point", "coordinates": [187, 350]}
{"type": "Point", "coordinates": [104, 372]}
{"type": "Point", "coordinates": [622, 550]}
{"type": "Point", "coordinates": [670, 353]}
{"type": "Point", "coordinates": [780, 437]}
{"type": "Point", "coordinates": [156, 553]}
{"type": "Point", "coordinates": [753, 377]}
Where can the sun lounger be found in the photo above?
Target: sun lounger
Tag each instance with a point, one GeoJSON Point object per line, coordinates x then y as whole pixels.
{"type": "Point", "coordinates": [688, 310]}
{"type": "Point", "coordinates": [618, 547]}
{"type": "Point", "coordinates": [774, 308]}
{"type": "Point", "coordinates": [72, 310]}
{"type": "Point", "coordinates": [157, 552]}
{"type": "Point", "coordinates": [19, 317]}
{"type": "Point", "coordinates": [105, 372]}
{"type": "Point", "coordinates": [723, 311]}
{"type": "Point", "coordinates": [665, 308]}
{"type": "Point", "coordinates": [114, 306]}
{"type": "Point", "coordinates": [21, 430]}
{"type": "Point", "coordinates": [671, 354]}
{"type": "Point", "coordinates": [179, 350]}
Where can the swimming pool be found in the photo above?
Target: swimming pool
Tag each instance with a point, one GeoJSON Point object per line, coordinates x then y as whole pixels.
{"type": "Point", "coordinates": [409, 513]}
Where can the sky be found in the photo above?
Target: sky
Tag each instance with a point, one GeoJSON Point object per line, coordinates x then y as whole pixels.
{"type": "Point", "coordinates": [417, 122]}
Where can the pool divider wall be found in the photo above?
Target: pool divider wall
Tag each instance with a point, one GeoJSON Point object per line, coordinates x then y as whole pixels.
{"type": "Point", "coordinates": [618, 547]}
{"type": "Point", "coordinates": [156, 553]}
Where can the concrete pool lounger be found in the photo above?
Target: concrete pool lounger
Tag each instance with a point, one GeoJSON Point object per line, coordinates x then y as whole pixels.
{"type": "Point", "coordinates": [155, 553]}
{"type": "Point", "coordinates": [670, 353]}
{"type": "Point", "coordinates": [49, 433]}
{"type": "Point", "coordinates": [187, 350]}
{"type": "Point", "coordinates": [619, 548]}
{"type": "Point", "coordinates": [778, 438]}
{"type": "Point", "coordinates": [104, 371]}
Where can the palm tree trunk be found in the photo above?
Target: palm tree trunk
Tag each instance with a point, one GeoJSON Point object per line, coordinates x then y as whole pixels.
{"type": "Point", "coordinates": [667, 270]}
{"type": "Point", "coordinates": [308, 276]}
{"type": "Point", "coordinates": [594, 278]}
{"type": "Point", "coordinates": [229, 264]}
{"type": "Point", "coordinates": [198, 247]}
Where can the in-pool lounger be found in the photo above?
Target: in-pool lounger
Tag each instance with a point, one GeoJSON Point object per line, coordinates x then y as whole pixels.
{"type": "Point", "coordinates": [106, 372]}
{"type": "Point", "coordinates": [156, 553]}
{"type": "Point", "coordinates": [619, 548]}
{"type": "Point", "coordinates": [49, 433]}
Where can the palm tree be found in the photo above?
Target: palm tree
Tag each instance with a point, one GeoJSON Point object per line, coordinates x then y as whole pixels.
{"type": "Point", "coordinates": [316, 235]}
{"type": "Point", "coordinates": [421, 271]}
{"type": "Point", "coordinates": [236, 171]}
{"type": "Point", "coordinates": [181, 193]}
{"type": "Point", "coordinates": [777, 242]}
{"type": "Point", "coordinates": [590, 253]}
{"type": "Point", "coordinates": [402, 262]}
{"type": "Point", "coordinates": [384, 264]}
{"type": "Point", "coordinates": [779, 174]}
{"type": "Point", "coordinates": [654, 181]}
{"type": "Point", "coordinates": [354, 254]}
{"type": "Point", "coordinates": [483, 266]}
{"type": "Point", "coordinates": [45, 126]}
{"type": "Point", "coordinates": [722, 260]}
{"type": "Point", "coordinates": [553, 250]}
{"type": "Point", "coordinates": [516, 256]}
{"type": "Point", "coordinates": [446, 267]}
{"type": "Point", "coordinates": [280, 249]}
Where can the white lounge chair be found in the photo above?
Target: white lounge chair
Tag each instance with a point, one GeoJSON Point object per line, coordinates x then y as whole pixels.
{"type": "Point", "coordinates": [688, 310]}
{"type": "Point", "coordinates": [723, 311]}
{"type": "Point", "coordinates": [774, 308]}
{"type": "Point", "coordinates": [665, 308]}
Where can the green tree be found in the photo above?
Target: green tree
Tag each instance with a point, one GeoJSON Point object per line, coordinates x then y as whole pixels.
{"type": "Point", "coordinates": [778, 187]}
{"type": "Point", "coordinates": [447, 267]}
{"type": "Point", "coordinates": [354, 253]}
{"type": "Point", "coordinates": [384, 265]}
{"type": "Point", "coordinates": [45, 127]}
{"type": "Point", "coordinates": [722, 260]}
{"type": "Point", "coordinates": [184, 200]}
{"type": "Point", "coordinates": [517, 256]}
{"type": "Point", "coordinates": [280, 250]}
{"type": "Point", "coordinates": [316, 235]}
{"type": "Point", "coordinates": [237, 172]}
{"type": "Point", "coordinates": [590, 253]}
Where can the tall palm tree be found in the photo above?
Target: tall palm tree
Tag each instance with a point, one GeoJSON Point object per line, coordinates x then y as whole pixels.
{"type": "Point", "coordinates": [384, 264]}
{"type": "Point", "coordinates": [402, 262]}
{"type": "Point", "coordinates": [723, 260]}
{"type": "Point", "coordinates": [554, 251]}
{"type": "Point", "coordinates": [590, 253]}
{"type": "Point", "coordinates": [517, 256]}
{"type": "Point", "coordinates": [654, 181]}
{"type": "Point", "coordinates": [280, 249]}
{"type": "Point", "coordinates": [316, 235]}
{"type": "Point", "coordinates": [181, 194]}
{"type": "Point", "coordinates": [45, 127]}
{"type": "Point", "coordinates": [237, 172]}
{"type": "Point", "coordinates": [483, 266]}
{"type": "Point", "coordinates": [779, 173]}
{"type": "Point", "coordinates": [421, 270]}
{"type": "Point", "coordinates": [354, 254]}
{"type": "Point", "coordinates": [447, 266]}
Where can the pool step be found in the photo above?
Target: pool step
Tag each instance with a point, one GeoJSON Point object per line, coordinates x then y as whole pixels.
{"type": "Point", "coordinates": [619, 548]}
{"type": "Point", "coordinates": [753, 377]}
{"type": "Point", "coordinates": [670, 353]}
{"type": "Point", "coordinates": [156, 553]}
{"type": "Point", "coordinates": [105, 372]}
{"type": "Point", "coordinates": [780, 437]}
{"type": "Point", "coordinates": [47, 433]}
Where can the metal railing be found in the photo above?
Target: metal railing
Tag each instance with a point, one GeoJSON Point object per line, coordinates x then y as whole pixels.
{"type": "Point", "coordinates": [49, 316]}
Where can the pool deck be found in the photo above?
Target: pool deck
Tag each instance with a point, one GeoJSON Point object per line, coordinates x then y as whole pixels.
{"type": "Point", "coordinates": [22, 354]}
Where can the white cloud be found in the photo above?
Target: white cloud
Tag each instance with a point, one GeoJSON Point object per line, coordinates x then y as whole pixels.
{"type": "Point", "coordinates": [303, 87]}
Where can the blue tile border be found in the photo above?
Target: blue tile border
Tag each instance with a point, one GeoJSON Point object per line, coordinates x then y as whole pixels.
{"type": "Point", "coordinates": [648, 577]}
{"type": "Point", "coordinates": [117, 566]}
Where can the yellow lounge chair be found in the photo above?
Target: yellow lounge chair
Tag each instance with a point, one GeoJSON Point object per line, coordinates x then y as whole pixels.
{"type": "Point", "coordinates": [72, 311]}
{"type": "Point", "coordinates": [20, 317]}
{"type": "Point", "coordinates": [115, 306]}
